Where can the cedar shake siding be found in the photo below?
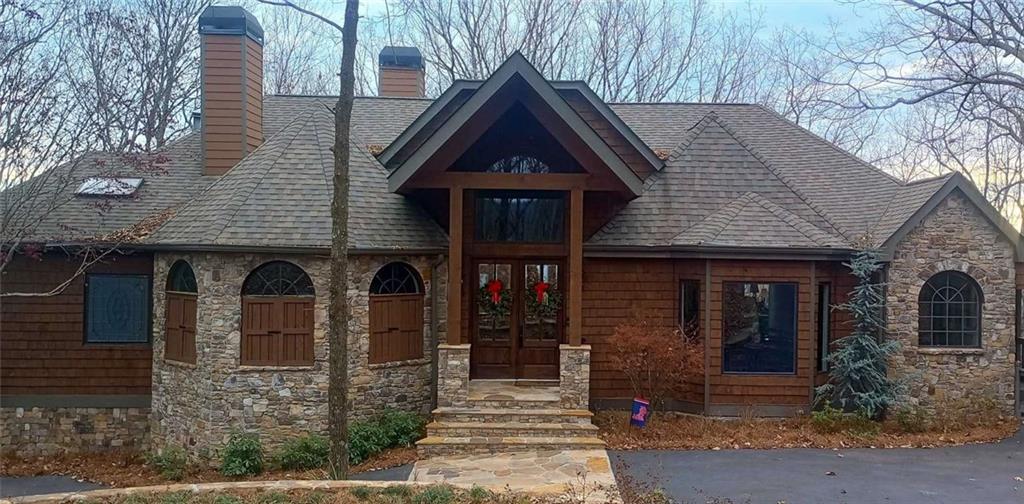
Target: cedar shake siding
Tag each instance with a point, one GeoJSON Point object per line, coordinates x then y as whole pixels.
{"type": "Point", "coordinates": [42, 339]}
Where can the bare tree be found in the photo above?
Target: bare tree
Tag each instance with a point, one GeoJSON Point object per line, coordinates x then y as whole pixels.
{"type": "Point", "coordinates": [338, 309]}
{"type": "Point", "coordinates": [960, 66]}
{"type": "Point", "coordinates": [137, 69]}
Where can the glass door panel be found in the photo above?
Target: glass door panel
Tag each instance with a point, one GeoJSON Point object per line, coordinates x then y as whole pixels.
{"type": "Point", "coordinates": [542, 307]}
{"type": "Point", "coordinates": [494, 302]}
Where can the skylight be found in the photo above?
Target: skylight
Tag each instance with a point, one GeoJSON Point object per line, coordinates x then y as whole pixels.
{"type": "Point", "coordinates": [109, 186]}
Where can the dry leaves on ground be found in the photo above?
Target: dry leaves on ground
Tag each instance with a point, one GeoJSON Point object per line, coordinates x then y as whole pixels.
{"type": "Point", "coordinates": [127, 469]}
{"type": "Point", "coordinates": [669, 431]}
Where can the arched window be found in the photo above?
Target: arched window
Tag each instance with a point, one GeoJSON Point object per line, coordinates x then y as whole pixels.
{"type": "Point", "coordinates": [180, 317]}
{"type": "Point", "coordinates": [396, 314]}
{"type": "Point", "coordinates": [277, 316]}
{"type": "Point", "coordinates": [950, 311]}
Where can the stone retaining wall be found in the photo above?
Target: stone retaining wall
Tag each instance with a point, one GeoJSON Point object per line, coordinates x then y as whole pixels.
{"type": "Point", "coordinates": [198, 406]}
{"type": "Point", "coordinates": [35, 431]}
{"type": "Point", "coordinates": [955, 236]}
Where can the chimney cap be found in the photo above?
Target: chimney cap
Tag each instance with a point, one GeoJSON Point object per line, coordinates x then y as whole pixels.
{"type": "Point", "coordinates": [404, 57]}
{"type": "Point", "coordinates": [230, 20]}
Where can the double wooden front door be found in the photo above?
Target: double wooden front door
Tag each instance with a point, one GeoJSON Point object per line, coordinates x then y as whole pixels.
{"type": "Point", "coordinates": [518, 318]}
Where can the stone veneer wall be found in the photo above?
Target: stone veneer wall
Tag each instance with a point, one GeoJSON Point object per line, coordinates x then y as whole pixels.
{"type": "Point", "coordinates": [33, 431]}
{"type": "Point", "coordinates": [198, 406]}
{"type": "Point", "coordinates": [574, 376]}
{"type": "Point", "coordinates": [955, 236]}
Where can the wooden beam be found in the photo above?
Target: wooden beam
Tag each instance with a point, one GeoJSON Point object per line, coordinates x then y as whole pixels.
{"type": "Point", "coordinates": [531, 181]}
{"type": "Point", "coordinates": [707, 336]}
{"type": "Point", "coordinates": [576, 267]}
{"type": "Point", "coordinates": [454, 265]}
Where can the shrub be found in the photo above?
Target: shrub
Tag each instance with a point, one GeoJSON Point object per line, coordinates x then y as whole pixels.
{"type": "Point", "coordinates": [913, 419]}
{"type": "Point", "coordinates": [226, 499]}
{"type": "Point", "coordinates": [243, 455]}
{"type": "Point", "coordinates": [827, 420]}
{"type": "Point", "coordinates": [656, 360]}
{"type": "Point", "coordinates": [830, 420]}
{"type": "Point", "coordinates": [307, 452]}
{"type": "Point", "coordinates": [171, 463]}
{"type": "Point", "coordinates": [361, 493]}
{"type": "Point", "coordinates": [397, 491]}
{"type": "Point", "coordinates": [480, 494]}
{"type": "Point", "coordinates": [438, 494]}
{"type": "Point", "coordinates": [367, 438]}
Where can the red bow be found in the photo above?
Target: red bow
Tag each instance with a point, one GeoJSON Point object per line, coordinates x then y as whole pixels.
{"type": "Point", "coordinates": [494, 287]}
{"type": "Point", "coordinates": [540, 288]}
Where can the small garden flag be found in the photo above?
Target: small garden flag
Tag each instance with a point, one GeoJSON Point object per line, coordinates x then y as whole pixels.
{"type": "Point", "coordinates": [641, 410]}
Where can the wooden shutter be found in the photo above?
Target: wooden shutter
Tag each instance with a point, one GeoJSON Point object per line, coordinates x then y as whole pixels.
{"type": "Point", "coordinates": [396, 327]}
{"type": "Point", "coordinates": [180, 328]}
{"type": "Point", "coordinates": [277, 331]}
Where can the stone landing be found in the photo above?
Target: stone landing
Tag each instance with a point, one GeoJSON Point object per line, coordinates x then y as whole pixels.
{"type": "Point", "coordinates": [506, 416]}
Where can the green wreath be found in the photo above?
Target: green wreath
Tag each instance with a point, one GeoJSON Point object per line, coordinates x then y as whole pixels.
{"type": "Point", "coordinates": [486, 304]}
{"type": "Point", "coordinates": [549, 308]}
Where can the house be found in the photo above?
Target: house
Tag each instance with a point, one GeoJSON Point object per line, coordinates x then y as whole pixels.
{"type": "Point", "coordinates": [498, 235]}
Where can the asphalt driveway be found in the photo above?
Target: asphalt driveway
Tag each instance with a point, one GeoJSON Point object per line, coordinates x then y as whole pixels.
{"type": "Point", "coordinates": [988, 473]}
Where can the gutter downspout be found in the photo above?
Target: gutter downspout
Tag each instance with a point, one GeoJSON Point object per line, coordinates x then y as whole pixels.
{"type": "Point", "coordinates": [433, 328]}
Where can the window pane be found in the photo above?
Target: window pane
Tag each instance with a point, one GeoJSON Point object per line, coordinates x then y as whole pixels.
{"type": "Point", "coordinates": [494, 302]}
{"type": "Point", "coordinates": [759, 328]}
{"type": "Point", "coordinates": [543, 302]}
{"type": "Point", "coordinates": [689, 306]}
{"type": "Point", "coordinates": [520, 217]}
{"type": "Point", "coordinates": [117, 309]}
{"type": "Point", "coordinates": [824, 324]}
{"type": "Point", "coordinates": [950, 310]}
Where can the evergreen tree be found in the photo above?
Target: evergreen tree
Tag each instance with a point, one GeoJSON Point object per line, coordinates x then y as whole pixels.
{"type": "Point", "coordinates": [857, 368]}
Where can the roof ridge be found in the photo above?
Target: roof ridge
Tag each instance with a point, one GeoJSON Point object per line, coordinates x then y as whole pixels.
{"type": "Point", "coordinates": [740, 202]}
{"type": "Point", "coordinates": [691, 134]}
{"type": "Point", "coordinates": [782, 177]}
{"type": "Point", "coordinates": [220, 180]}
{"type": "Point", "coordinates": [929, 179]}
{"type": "Point", "coordinates": [831, 145]}
{"type": "Point", "coordinates": [795, 221]}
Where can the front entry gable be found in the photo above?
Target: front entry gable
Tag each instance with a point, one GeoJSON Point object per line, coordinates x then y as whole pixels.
{"type": "Point", "coordinates": [422, 155]}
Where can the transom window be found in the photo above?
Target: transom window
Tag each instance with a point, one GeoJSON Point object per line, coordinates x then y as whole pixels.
{"type": "Point", "coordinates": [278, 278]}
{"type": "Point", "coordinates": [181, 278]}
{"type": "Point", "coordinates": [519, 164]}
{"type": "Point", "coordinates": [520, 216]}
{"type": "Point", "coordinates": [950, 311]}
{"type": "Point", "coordinates": [395, 278]}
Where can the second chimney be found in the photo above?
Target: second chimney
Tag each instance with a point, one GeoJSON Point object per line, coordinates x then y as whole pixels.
{"type": "Point", "coordinates": [231, 65]}
{"type": "Point", "coordinates": [401, 72]}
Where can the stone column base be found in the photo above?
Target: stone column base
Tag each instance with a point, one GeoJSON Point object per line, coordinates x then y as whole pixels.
{"type": "Point", "coordinates": [574, 371]}
{"type": "Point", "coordinates": [452, 375]}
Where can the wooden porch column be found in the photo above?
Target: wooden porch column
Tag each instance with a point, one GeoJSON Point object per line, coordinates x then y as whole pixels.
{"type": "Point", "coordinates": [576, 267]}
{"type": "Point", "coordinates": [454, 265]}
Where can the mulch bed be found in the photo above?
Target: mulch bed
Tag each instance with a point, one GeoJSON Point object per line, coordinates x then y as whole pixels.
{"type": "Point", "coordinates": [128, 468]}
{"type": "Point", "coordinates": [669, 431]}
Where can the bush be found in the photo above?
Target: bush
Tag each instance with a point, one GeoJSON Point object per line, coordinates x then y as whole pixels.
{"type": "Point", "coordinates": [913, 419]}
{"type": "Point", "coordinates": [171, 463]}
{"type": "Point", "coordinates": [439, 494]}
{"type": "Point", "coordinates": [390, 429]}
{"type": "Point", "coordinates": [362, 493]}
{"type": "Point", "coordinates": [656, 360]}
{"type": "Point", "coordinates": [243, 455]}
{"type": "Point", "coordinates": [830, 420]}
{"type": "Point", "coordinates": [307, 452]}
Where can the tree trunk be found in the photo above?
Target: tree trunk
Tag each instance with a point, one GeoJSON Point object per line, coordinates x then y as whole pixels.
{"type": "Point", "coordinates": [338, 387]}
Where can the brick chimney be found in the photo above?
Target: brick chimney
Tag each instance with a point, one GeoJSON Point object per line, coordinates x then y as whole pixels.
{"type": "Point", "coordinates": [231, 65]}
{"type": "Point", "coordinates": [401, 72]}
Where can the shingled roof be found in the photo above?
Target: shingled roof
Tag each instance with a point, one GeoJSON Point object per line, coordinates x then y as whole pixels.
{"type": "Point", "coordinates": [738, 176]}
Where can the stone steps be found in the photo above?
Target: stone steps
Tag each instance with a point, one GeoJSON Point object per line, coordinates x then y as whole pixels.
{"type": "Point", "coordinates": [516, 415]}
{"type": "Point", "coordinates": [515, 404]}
{"type": "Point", "coordinates": [433, 446]}
{"type": "Point", "coordinates": [510, 429]}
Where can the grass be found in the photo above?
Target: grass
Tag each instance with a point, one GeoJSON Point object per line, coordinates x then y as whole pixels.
{"type": "Point", "coordinates": [670, 431]}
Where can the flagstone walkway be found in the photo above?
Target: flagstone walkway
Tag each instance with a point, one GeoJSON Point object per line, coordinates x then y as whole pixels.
{"type": "Point", "coordinates": [549, 472]}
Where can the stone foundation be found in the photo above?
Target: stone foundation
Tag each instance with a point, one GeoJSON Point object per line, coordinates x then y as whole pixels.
{"type": "Point", "coordinates": [199, 406]}
{"type": "Point", "coordinates": [452, 375]}
{"type": "Point", "coordinates": [957, 237]}
{"type": "Point", "coordinates": [574, 376]}
{"type": "Point", "coordinates": [35, 431]}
